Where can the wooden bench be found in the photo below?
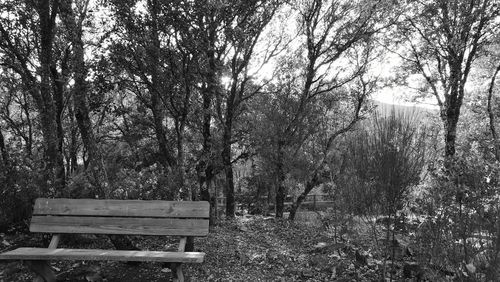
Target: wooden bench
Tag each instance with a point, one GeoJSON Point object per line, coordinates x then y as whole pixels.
{"type": "Point", "coordinates": [124, 217]}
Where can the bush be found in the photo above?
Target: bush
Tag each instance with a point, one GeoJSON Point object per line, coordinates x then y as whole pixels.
{"type": "Point", "coordinates": [18, 191]}
{"type": "Point", "coordinates": [384, 160]}
{"type": "Point", "coordinates": [461, 232]}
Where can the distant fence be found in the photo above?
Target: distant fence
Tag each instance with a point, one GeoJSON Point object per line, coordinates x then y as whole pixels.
{"type": "Point", "coordinates": [314, 201]}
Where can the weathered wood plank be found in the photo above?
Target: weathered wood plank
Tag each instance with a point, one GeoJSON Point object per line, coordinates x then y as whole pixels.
{"type": "Point", "coordinates": [120, 225]}
{"type": "Point", "coordinates": [136, 208]}
{"type": "Point", "coordinates": [94, 254]}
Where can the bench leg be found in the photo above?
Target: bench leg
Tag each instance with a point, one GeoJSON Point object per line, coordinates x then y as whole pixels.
{"type": "Point", "coordinates": [177, 274]}
{"type": "Point", "coordinates": [42, 269]}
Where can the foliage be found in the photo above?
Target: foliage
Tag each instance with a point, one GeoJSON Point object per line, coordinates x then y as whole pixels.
{"type": "Point", "coordinates": [462, 217]}
{"type": "Point", "coordinates": [19, 187]}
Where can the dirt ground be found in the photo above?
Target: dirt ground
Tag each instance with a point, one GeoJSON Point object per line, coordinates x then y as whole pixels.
{"type": "Point", "coordinates": [250, 248]}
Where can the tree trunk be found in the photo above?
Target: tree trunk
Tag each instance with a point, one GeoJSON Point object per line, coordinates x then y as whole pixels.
{"type": "Point", "coordinates": [313, 182]}
{"type": "Point", "coordinates": [82, 115]}
{"type": "Point", "coordinates": [450, 137]}
{"type": "Point", "coordinates": [161, 138]}
{"type": "Point", "coordinates": [491, 115]}
{"type": "Point", "coordinates": [452, 105]}
{"type": "Point", "coordinates": [205, 165]}
{"type": "Point", "coordinates": [180, 116]}
{"type": "Point", "coordinates": [3, 150]}
{"type": "Point", "coordinates": [29, 138]}
{"type": "Point", "coordinates": [180, 167]}
{"type": "Point", "coordinates": [180, 162]}
{"type": "Point", "coordinates": [155, 89]}
{"type": "Point", "coordinates": [231, 108]}
{"type": "Point", "coordinates": [228, 169]}
{"type": "Point", "coordinates": [54, 168]}
{"type": "Point", "coordinates": [58, 94]}
{"type": "Point", "coordinates": [450, 130]}
{"type": "Point", "coordinates": [80, 105]}
{"type": "Point", "coordinates": [73, 146]}
{"type": "Point", "coordinates": [280, 185]}
{"type": "Point", "coordinates": [226, 150]}
{"type": "Point", "coordinates": [280, 197]}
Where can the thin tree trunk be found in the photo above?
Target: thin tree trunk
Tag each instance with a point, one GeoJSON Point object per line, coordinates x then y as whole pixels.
{"type": "Point", "coordinates": [280, 185]}
{"type": "Point", "coordinates": [226, 160]}
{"type": "Point", "coordinates": [73, 147]}
{"type": "Point", "coordinates": [491, 115]}
{"type": "Point", "coordinates": [58, 94]}
{"type": "Point", "coordinates": [180, 162]}
{"type": "Point", "coordinates": [3, 150]}
{"type": "Point", "coordinates": [180, 124]}
{"type": "Point", "coordinates": [29, 138]}
{"type": "Point", "coordinates": [228, 169]}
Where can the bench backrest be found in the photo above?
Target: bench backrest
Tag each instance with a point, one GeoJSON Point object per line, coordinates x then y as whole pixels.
{"type": "Point", "coordinates": [131, 217]}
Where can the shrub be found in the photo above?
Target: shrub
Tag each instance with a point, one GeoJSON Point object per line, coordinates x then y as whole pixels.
{"type": "Point", "coordinates": [385, 159]}
{"type": "Point", "coordinates": [461, 232]}
{"type": "Point", "coordinates": [18, 190]}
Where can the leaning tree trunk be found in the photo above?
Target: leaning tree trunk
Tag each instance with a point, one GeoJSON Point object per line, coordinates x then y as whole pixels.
{"type": "Point", "coordinates": [81, 108]}
{"type": "Point", "coordinates": [313, 182]}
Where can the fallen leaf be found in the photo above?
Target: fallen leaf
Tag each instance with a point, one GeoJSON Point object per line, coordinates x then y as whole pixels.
{"type": "Point", "coordinates": [471, 268]}
{"type": "Point", "coordinates": [320, 245]}
{"type": "Point", "coordinates": [95, 277]}
{"type": "Point", "coordinates": [334, 273]}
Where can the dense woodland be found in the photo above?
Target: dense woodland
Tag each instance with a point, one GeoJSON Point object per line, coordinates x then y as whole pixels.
{"type": "Point", "coordinates": [261, 102]}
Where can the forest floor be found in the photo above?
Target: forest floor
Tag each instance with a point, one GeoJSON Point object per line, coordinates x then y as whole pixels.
{"type": "Point", "coordinates": [249, 248]}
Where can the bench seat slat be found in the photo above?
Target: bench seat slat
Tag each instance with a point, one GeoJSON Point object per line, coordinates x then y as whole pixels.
{"type": "Point", "coordinates": [95, 254]}
{"type": "Point", "coordinates": [119, 225]}
{"type": "Point", "coordinates": [137, 208]}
